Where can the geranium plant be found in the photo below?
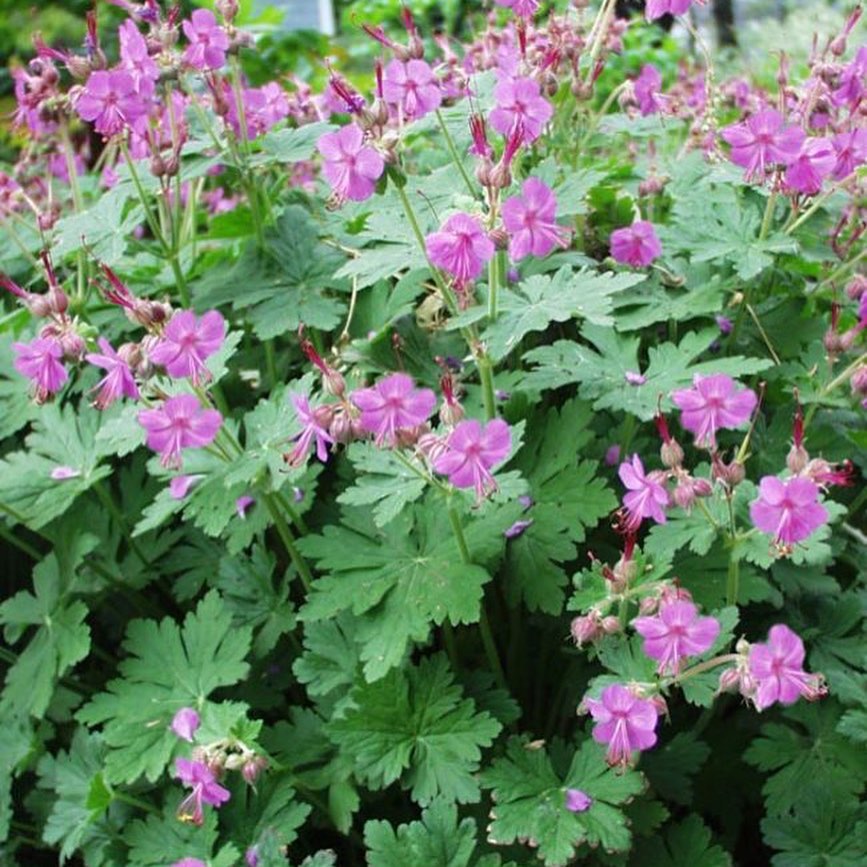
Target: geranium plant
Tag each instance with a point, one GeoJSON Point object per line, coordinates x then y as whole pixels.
{"type": "Point", "coordinates": [456, 463]}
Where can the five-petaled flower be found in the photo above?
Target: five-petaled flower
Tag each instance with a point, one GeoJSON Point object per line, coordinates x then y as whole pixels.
{"type": "Point", "coordinates": [118, 381]}
{"type": "Point", "coordinates": [393, 405]}
{"type": "Point", "coordinates": [208, 41]}
{"type": "Point", "coordinates": [789, 510]}
{"type": "Point", "coordinates": [762, 141]}
{"type": "Point", "coordinates": [460, 248]}
{"type": "Point", "coordinates": [520, 105]}
{"type": "Point", "coordinates": [187, 342]}
{"type": "Point", "coordinates": [111, 101]}
{"type": "Point", "coordinates": [636, 245]}
{"type": "Point", "coordinates": [412, 86]}
{"type": "Point", "coordinates": [657, 8]}
{"type": "Point", "coordinates": [180, 423]}
{"type": "Point", "coordinates": [624, 721]}
{"type": "Point", "coordinates": [349, 165]}
{"type": "Point", "coordinates": [205, 790]}
{"type": "Point", "coordinates": [531, 221]}
{"type": "Point", "coordinates": [313, 430]}
{"type": "Point", "coordinates": [713, 403]}
{"type": "Point", "coordinates": [471, 451]}
{"type": "Point", "coordinates": [40, 361]}
{"type": "Point", "coordinates": [647, 495]}
{"type": "Point", "coordinates": [777, 670]}
{"type": "Point", "coordinates": [675, 632]}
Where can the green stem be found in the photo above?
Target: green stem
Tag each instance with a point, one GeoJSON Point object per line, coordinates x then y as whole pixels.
{"type": "Point", "coordinates": [23, 546]}
{"type": "Point", "coordinates": [180, 280]}
{"type": "Point", "coordinates": [486, 374]}
{"type": "Point", "coordinates": [701, 668]}
{"type": "Point", "coordinates": [733, 580]}
{"type": "Point", "coordinates": [285, 535]}
{"type": "Point", "coordinates": [292, 512]}
{"type": "Point", "coordinates": [456, 159]}
{"type": "Point", "coordinates": [837, 381]}
{"type": "Point", "coordinates": [767, 219]}
{"type": "Point", "coordinates": [149, 215]}
{"type": "Point", "coordinates": [488, 643]}
{"type": "Point", "coordinates": [271, 362]}
{"type": "Point", "coordinates": [493, 286]}
{"type": "Point", "coordinates": [132, 801]}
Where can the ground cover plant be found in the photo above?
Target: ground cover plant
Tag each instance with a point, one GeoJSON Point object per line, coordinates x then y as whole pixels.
{"type": "Point", "coordinates": [455, 461]}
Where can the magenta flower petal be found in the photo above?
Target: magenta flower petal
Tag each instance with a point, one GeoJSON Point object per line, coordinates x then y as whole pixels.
{"type": "Point", "coordinates": [460, 248]}
{"type": "Point", "coordinates": [713, 403]}
{"type": "Point", "coordinates": [392, 405]}
{"type": "Point", "coordinates": [471, 451]}
{"type": "Point", "coordinates": [762, 141]}
{"type": "Point", "coordinates": [530, 220]}
{"type": "Point", "coordinates": [350, 167]}
{"type": "Point", "coordinates": [179, 423]}
{"type": "Point", "coordinates": [788, 510]}
{"type": "Point", "coordinates": [185, 723]}
{"type": "Point", "coordinates": [624, 721]}
{"type": "Point", "coordinates": [412, 86]}
{"type": "Point", "coordinates": [520, 105]}
{"type": "Point", "coordinates": [777, 669]}
{"type": "Point", "coordinates": [636, 245]}
{"type": "Point", "coordinates": [647, 496]}
{"type": "Point", "coordinates": [40, 362]}
{"type": "Point", "coordinates": [187, 342]}
{"type": "Point", "coordinates": [676, 632]}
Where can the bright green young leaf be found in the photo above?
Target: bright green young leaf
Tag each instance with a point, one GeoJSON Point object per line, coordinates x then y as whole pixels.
{"type": "Point", "coordinates": [530, 801]}
{"type": "Point", "coordinates": [166, 668]}
{"type": "Point", "coordinates": [415, 726]}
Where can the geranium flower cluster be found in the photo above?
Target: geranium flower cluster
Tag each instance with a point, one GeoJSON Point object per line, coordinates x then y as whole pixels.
{"type": "Point", "coordinates": [625, 716]}
{"type": "Point", "coordinates": [787, 509]}
{"type": "Point", "coordinates": [395, 414]}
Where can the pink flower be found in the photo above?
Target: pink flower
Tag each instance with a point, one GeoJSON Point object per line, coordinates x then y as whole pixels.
{"type": "Point", "coordinates": [413, 87]}
{"type": "Point", "coordinates": [676, 632]}
{"type": "Point", "coordinates": [314, 428]}
{"type": "Point", "coordinates": [851, 150]}
{"type": "Point", "coordinates": [205, 790]}
{"type": "Point", "coordinates": [714, 402]}
{"type": "Point", "coordinates": [460, 248]}
{"type": "Point", "coordinates": [520, 104]}
{"type": "Point", "coordinates": [761, 141]}
{"type": "Point", "coordinates": [393, 405]}
{"type": "Point", "coordinates": [179, 423]}
{"type": "Point", "coordinates": [189, 862]}
{"type": "Point", "coordinates": [185, 723]}
{"type": "Point", "coordinates": [40, 362]}
{"type": "Point", "coordinates": [208, 41]}
{"type": "Point", "coordinates": [851, 88]}
{"type": "Point", "coordinates": [111, 101]}
{"type": "Point", "coordinates": [577, 801]}
{"type": "Point", "coordinates": [646, 89]}
{"type": "Point", "coordinates": [789, 510]}
{"type": "Point", "coordinates": [135, 57]}
{"type": "Point", "coordinates": [187, 341]}
{"type": "Point", "coordinates": [812, 165]}
{"type": "Point", "coordinates": [531, 221]}
{"type": "Point", "coordinates": [636, 245]}
{"type": "Point", "coordinates": [657, 8]}
{"type": "Point", "coordinates": [471, 451]}
{"type": "Point", "coordinates": [118, 382]}
{"type": "Point", "coordinates": [351, 168]}
{"type": "Point", "coordinates": [522, 8]}
{"type": "Point", "coordinates": [647, 497]}
{"type": "Point", "coordinates": [623, 721]}
{"type": "Point", "coordinates": [777, 670]}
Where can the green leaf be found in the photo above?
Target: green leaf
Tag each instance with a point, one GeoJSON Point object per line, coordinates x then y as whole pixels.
{"type": "Point", "coordinates": [167, 668]}
{"type": "Point", "coordinates": [60, 438]}
{"type": "Point", "coordinates": [600, 369]}
{"type": "Point", "coordinates": [670, 769]}
{"type": "Point", "coordinates": [414, 726]}
{"type": "Point", "coordinates": [292, 145]}
{"type": "Point", "coordinates": [62, 639]}
{"type": "Point", "coordinates": [77, 819]}
{"type": "Point", "coordinates": [382, 481]}
{"type": "Point", "coordinates": [687, 843]}
{"type": "Point", "coordinates": [530, 801]}
{"type": "Point", "coordinates": [435, 841]}
{"type": "Point", "coordinates": [809, 753]}
{"type": "Point", "coordinates": [15, 746]}
{"type": "Point", "coordinates": [568, 498]}
{"type": "Point", "coordinates": [541, 300]}
{"type": "Point", "coordinates": [157, 841]}
{"type": "Point", "coordinates": [401, 579]}
{"type": "Point", "coordinates": [820, 831]}
{"type": "Point", "coordinates": [330, 657]}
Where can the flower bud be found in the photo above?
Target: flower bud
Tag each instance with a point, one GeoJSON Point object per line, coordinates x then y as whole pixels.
{"type": "Point", "coordinates": [797, 459]}
{"type": "Point", "coordinates": [58, 300]}
{"type": "Point", "coordinates": [333, 382]}
{"type": "Point", "coordinates": [252, 768]}
{"type": "Point", "coordinates": [451, 412]}
{"type": "Point", "coordinates": [74, 347]}
{"type": "Point", "coordinates": [228, 9]}
{"type": "Point", "coordinates": [729, 680]}
{"type": "Point", "coordinates": [859, 380]}
{"type": "Point", "coordinates": [611, 625]}
{"type": "Point", "coordinates": [501, 176]}
{"type": "Point", "coordinates": [625, 572]}
{"type": "Point", "coordinates": [856, 287]}
{"type": "Point", "coordinates": [341, 428]}
{"type": "Point", "coordinates": [586, 629]}
{"type": "Point", "coordinates": [671, 453]}
{"type": "Point", "coordinates": [838, 46]}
